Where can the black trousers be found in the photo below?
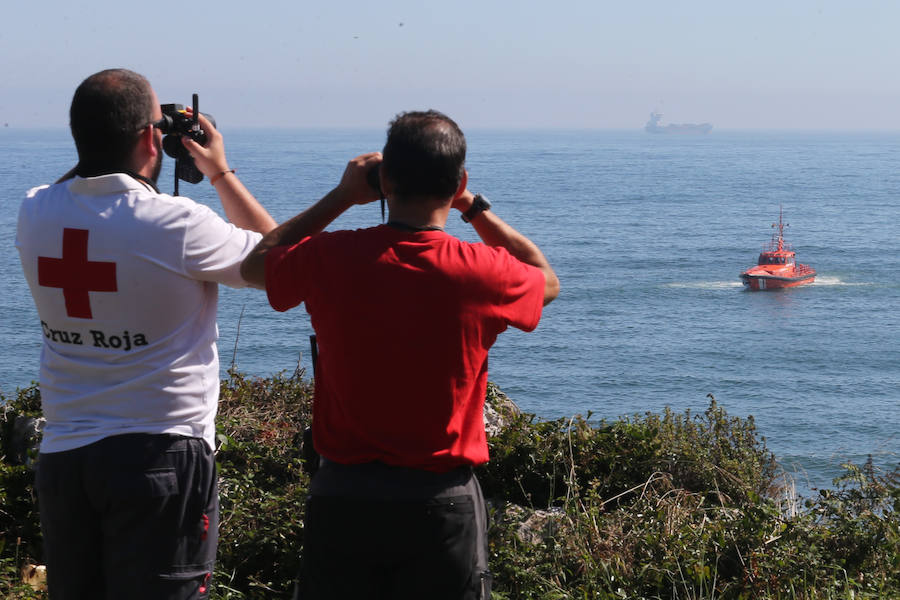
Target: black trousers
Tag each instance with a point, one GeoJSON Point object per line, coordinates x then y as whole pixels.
{"type": "Point", "coordinates": [131, 516]}
{"type": "Point", "coordinates": [403, 534]}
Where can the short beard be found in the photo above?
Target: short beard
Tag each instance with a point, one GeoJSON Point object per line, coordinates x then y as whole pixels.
{"type": "Point", "coordinates": [154, 175]}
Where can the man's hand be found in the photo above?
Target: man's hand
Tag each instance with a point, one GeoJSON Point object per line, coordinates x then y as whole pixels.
{"type": "Point", "coordinates": [463, 201]}
{"type": "Point", "coordinates": [354, 186]}
{"type": "Point", "coordinates": [210, 158]}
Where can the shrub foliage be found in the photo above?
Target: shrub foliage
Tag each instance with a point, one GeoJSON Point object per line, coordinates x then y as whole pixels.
{"type": "Point", "coordinates": [664, 506]}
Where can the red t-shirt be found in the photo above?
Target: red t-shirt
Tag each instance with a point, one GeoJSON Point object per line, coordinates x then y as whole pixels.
{"type": "Point", "coordinates": [404, 322]}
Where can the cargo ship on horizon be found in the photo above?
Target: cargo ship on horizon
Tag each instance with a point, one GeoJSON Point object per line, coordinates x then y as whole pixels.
{"type": "Point", "coordinates": [653, 126]}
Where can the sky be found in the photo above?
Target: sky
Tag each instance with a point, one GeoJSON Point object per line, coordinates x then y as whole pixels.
{"type": "Point", "coordinates": [581, 64]}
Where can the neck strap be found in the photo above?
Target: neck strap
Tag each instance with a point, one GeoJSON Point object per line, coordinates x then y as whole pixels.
{"type": "Point", "coordinates": [87, 172]}
{"type": "Point", "coordinates": [405, 227]}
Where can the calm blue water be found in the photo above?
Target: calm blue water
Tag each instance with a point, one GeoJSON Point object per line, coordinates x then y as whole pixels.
{"type": "Point", "coordinates": [648, 235]}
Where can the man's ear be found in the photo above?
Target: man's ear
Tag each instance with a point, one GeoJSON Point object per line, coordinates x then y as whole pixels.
{"type": "Point", "coordinates": [463, 183]}
{"type": "Point", "coordinates": [148, 141]}
{"type": "Point", "coordinates": [145, 151]}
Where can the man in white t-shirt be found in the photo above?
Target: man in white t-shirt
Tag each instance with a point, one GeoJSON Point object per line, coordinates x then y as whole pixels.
{"type": "Point", "coordinates": [125, 282]}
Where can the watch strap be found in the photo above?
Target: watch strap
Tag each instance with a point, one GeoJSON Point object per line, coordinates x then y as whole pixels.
{"type": "Point", "coordinates": [479, 205]}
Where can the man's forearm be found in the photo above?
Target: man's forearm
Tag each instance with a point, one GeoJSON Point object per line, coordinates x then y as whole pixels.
{"type": "Point", "coordinates": [241, 207]}
{"type": "Point", "coordinates": [494, 231]}
{"type": "Point", "coordinates": [353, 189]}
{"type": "Point", "coordinates": [311, 221]}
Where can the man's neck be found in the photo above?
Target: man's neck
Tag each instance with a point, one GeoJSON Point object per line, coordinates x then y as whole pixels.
{"type": "Point", "coordinates": [412, 228]}
{"type": "Point", "coordinates": [418, 217]}
{"type": "Point", "coordinates": [96, 171]}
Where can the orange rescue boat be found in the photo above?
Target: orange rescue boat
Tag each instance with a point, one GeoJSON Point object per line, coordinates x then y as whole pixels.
{"type": "Point", "coordinates": [777, 267]}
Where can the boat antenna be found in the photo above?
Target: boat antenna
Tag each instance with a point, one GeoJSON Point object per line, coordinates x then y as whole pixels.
{"type": "Point", "coordinates": [781, 227]}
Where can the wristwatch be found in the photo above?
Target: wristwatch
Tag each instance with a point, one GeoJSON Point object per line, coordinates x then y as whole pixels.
{"type": "Point", "coordinates": [479, 205]}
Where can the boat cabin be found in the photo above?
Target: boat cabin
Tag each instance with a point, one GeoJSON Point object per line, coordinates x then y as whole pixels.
{"type": "Point", "coordinates": [768, 258]}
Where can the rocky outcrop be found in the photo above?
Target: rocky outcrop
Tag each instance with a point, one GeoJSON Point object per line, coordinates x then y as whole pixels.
{"type": "Point", "coordinates": [24, 438]}
{"type": "Point", "coordinates": [499, 410]}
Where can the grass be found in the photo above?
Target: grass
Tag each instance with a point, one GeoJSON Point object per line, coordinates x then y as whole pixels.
{"type": "Point", "coordinates": [655, 506]}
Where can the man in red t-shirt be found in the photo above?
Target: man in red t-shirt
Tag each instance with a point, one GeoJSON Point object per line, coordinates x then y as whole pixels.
{"type": "Point", "coordinates": [404, 314]}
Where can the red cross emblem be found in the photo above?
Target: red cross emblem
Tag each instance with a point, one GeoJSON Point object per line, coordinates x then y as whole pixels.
{"type": "Point", "coordinates": [75, 274]}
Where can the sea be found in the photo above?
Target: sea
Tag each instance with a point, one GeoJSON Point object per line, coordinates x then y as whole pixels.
{"type": "Point", "coordinates": [648, 234]}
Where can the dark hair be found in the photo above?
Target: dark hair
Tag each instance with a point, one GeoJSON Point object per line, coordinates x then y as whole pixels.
{"type": "Point", "coordinates": [108, 111]}
{"type": "Point", "coordinates": [424, 155]}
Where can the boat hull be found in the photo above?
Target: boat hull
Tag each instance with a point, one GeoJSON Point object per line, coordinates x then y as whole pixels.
{"type": "Point", "coordinates": [770, 282]}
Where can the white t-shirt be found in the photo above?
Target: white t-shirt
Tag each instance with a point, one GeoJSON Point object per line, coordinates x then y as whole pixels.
{"type": "Point", "coordinates": [125, 281]}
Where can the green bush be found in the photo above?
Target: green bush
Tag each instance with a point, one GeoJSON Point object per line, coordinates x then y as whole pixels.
{"type": "Point", "coordinates": [20, 529]}
{"type": "Point", "coordinates": [670, 506]}
{"type": "Point", "coordinates": [262, 485]}
{"type": "Point", "coordinates": [542, 463]}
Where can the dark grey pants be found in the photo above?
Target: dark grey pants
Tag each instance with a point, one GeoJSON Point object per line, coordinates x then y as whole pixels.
{"type": "Point", "coordinates": [380, 532]}
{"type": "Point", "coordinates": [131, 516]}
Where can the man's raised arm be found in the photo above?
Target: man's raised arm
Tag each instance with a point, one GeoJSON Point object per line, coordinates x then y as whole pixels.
{"type": "Point", "coordinates": [353, 189]}
{"type": "Point", "coordinates": [241, 207]}
{"type": "Point", "coordinates": [494, 231]}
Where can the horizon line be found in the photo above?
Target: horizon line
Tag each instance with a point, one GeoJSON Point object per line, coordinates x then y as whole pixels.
{"type": "Point", "coordinates": [516, 128]}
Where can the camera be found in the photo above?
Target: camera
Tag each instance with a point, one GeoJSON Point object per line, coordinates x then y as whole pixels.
{"type": "Point", "coordinates": [174, 124]}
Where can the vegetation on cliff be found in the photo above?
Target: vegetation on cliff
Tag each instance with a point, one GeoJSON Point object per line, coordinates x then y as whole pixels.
{"type": "Point", "coordinates": [665, 506]}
